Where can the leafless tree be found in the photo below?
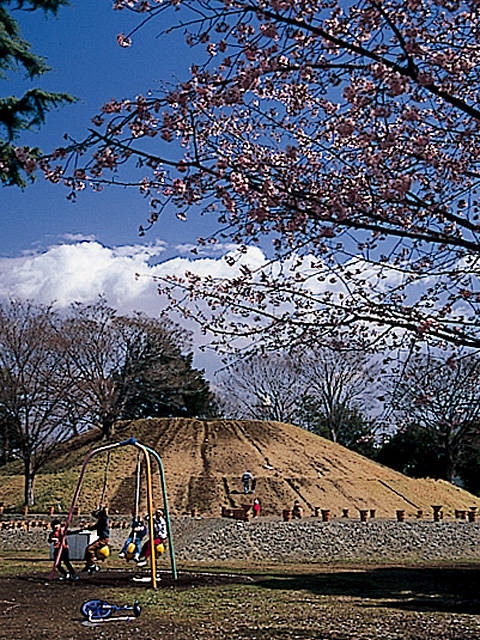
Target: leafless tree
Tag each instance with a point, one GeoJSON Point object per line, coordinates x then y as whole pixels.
{"type": "Point", "coordinates": [117, 361]}
{"type": "Point", "coordinates": [442, 397]}
{"type": "Point", "coordinates": [59, 374]}
{"type": "Point", "coordinates": [263, 387]}
{"type": "Point", "coordinates": [275, 386]}
{"type": "Point", "coordinates": [341, 381]}
{"type": "Point", "coordinates": [34, 387]}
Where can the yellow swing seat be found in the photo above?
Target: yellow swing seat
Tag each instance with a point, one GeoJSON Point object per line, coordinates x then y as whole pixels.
{"type": "Point", "coordinates": [103, 553]}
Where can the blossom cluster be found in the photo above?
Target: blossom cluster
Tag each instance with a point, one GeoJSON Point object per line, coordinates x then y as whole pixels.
{"type": "Point", "coordinates": [332, 128]}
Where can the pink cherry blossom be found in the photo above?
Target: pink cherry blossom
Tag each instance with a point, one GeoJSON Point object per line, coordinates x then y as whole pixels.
{"type": "Point", "coordinates": [124, 41]}
{"type": "Point", "coordinates": [342, 135]}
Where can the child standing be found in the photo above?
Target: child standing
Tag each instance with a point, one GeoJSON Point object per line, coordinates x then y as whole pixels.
{"type": "Point", "coordinates": [59, 540]}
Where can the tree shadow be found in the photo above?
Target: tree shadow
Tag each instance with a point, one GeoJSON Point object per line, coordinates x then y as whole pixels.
{"type": "Point", "coordinates": [452, 589]}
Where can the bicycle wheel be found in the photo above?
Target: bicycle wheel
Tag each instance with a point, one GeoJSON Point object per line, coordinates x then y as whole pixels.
{"type": "Point", "coordinates": [96, 609]}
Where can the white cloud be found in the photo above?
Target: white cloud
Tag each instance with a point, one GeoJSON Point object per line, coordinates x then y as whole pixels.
{"type": "Point", "coordinates": [81, 271]}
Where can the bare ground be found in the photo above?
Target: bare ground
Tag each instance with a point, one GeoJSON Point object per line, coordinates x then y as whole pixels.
{"type": "Point", "coordinates": [302, 602]}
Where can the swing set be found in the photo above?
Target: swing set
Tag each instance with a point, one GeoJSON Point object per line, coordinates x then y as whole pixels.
{"type": "Point", "coordinates": [147, 452]}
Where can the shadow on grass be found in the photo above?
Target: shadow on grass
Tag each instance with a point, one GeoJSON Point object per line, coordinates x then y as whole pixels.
{"type": "Point", "coordinates": [453, 590]}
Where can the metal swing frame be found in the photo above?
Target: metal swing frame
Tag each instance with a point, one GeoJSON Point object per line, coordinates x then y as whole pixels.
{"type": "Point", "coordinates": [147, 453]}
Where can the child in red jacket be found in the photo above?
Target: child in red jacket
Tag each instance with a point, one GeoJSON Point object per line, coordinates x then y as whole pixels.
{"type": "Point", "coordinates": [59, 540]}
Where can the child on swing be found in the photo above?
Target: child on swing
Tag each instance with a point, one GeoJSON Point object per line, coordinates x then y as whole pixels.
{"type": "Point", "coordinates": [159, 535]}
{"type": "Point", "coordinates": [137, 533]}
{"type": "Point", "coordinates": [58, 538]}
{"type": "Point", "coordinates": [102, 529]}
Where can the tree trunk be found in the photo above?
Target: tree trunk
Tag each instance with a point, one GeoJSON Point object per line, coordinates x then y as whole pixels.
{"type": "Point", "coordinates": [450, 455]}
{"type": "Point", "coordinates": [29, 476]}
{"type": "Point", "coordinates": [108, 426]}
{"type": "Point", "coordinates": [450, 464]}
{"type": "Point", "coordinates": [5, 446]}
{"type": "Point", "coordinates": [332, 428]}
{"type": "Point", "coordinates": [7, 440]}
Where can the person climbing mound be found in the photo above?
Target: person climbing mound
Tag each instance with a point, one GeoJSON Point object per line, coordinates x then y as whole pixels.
{"type": "Point", "coordinates": [247, 478]}
{"type": "Point", "coordinates": [297, 511]}
{"type": "Point", "coordinates": [102, 529]}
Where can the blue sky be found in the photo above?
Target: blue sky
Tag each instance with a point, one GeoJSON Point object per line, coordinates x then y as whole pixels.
{"type": "Point", "coordinates": [80, 46]}
{"type": "Point", "coordinates": [53, 251]}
